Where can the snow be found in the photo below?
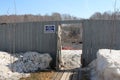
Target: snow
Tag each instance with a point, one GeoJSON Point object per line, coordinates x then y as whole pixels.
{"type": "Point", "coordinates": [106, 66]}
{"type": "Point", "coordinates": [32, 61]}
{"type": "Point", "coordinates": [71, 59]}
{"type": "Point", "coordinates": [13, 67]}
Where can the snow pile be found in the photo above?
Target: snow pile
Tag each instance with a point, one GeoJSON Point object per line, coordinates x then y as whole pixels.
{"type": "Point", "coordinates": [71, 59]}
{"type": "Point", "coordinates": [106, 66]}
{"type": "Point", "coordinates": [5, 72]}
{"type": "Point", "coordinates": [13, 67]}
{"type": "Point", "coordinates": [32, 61]}
{"type": "Point", "coordinates": [6, 58]}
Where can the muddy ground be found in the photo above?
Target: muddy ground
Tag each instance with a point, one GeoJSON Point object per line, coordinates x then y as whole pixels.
{"type": "Point", "coordinates": [44, 75]}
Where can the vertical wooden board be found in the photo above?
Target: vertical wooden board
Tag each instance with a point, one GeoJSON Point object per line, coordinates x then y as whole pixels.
{"type": "Point", "coordinates": [7, 38]}
{"type": "Point", "coordinates": [117, 30]}
{"type": "Point", "coordinates": [2, 38]}
{"type": "Point", "coordinates": [39, 37]}
{"type": "Point", "coordinates": [31, 37]}
{"type": "Point", "coordinates": [79, 74]}
{"type": "Point", "coordinates": [16, 37]}
{"type": "Point", "coordinates": [36, 37]}
{"type": "Point", "coordinates": [87, 40]}
{"type": "Point", "coordinates": [58, 55]}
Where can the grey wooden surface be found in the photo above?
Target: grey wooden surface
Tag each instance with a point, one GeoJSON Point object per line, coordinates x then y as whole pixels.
{"type": "Point", "coordinates": [99, 34]}
{"type": "Point", "coordinates": [23, 37]}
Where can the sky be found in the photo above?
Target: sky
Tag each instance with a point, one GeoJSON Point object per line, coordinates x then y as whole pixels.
{"type": "Point", "coordinates": [78, 8]}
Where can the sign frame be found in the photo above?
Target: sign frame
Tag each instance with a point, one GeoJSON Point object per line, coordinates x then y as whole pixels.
{"type": "Point", "coordinates": [49, 29]}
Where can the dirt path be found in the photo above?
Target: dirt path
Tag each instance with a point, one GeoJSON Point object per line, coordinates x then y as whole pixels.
{"type": "Point", "coordinates": [40, 76]}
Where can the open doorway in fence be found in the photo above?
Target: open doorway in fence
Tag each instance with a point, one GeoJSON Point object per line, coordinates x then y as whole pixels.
{"type": "Point", "coordinates": [71, 41]}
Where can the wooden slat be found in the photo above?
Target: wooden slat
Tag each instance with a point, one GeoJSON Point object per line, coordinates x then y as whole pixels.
{"type": "Point", "coordinates": [75, 75]}
{"type": "Point", "coordinates": [59, 75]}
{"type": "Point", "coordinates": [54, 76]}
{"type": "Point", "coordinates": [79, 74]}
{"type": "Point", "coordinates": [64, 76]}
{"type": "Point", "coordinates": [69, 75]}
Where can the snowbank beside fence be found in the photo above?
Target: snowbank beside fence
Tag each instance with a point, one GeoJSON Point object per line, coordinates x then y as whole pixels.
{"type": "Point", "coordinates": [106, 66]}
{"type": "Point", "coordinates": [32, 61]}
{"type": "Point", "coordinates": [71, 59]}
{"type": "Point", "coordinates": [15, 66]}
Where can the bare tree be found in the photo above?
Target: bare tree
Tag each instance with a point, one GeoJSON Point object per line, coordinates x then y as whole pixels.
{"type": "Point", "coordinates": [106, 16]}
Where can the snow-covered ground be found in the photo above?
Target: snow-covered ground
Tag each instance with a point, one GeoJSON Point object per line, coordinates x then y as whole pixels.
{"type": "Point", "coordinates": [12, 67]}
{"type": "Point", "coordinates": [106, 66]}
{"type": "Point", "coordinates": [71, 59]}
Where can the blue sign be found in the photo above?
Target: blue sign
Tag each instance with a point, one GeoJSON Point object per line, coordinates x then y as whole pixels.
{"type": "Point", "coordinates": [49, 28]}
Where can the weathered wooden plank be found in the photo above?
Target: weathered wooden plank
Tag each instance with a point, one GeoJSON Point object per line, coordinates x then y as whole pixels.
{"type": "Point", "coordinates": [64, 76]}
{"type": "Point", "coordinates": [68, 77]}
{"type": "Point", "coordinates": [79, 74]}
{"type": "Point", "coordinates": [85, 74]}
{"type": "Point", "coordinates": [59, 75]}
{"type": "Point", "coordinates": [75, 75]}
{"type": "Point", "coordinates": [54, 76]}
{"type": "Point", "coordinates": [99, 34]}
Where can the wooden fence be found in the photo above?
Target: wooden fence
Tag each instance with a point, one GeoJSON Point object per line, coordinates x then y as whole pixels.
{"type": "Point", "coordinates": [99, 34]}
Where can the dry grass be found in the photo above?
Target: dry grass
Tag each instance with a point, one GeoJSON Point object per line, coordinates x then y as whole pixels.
{"type": "Point", "coordinates": [40, 76]}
